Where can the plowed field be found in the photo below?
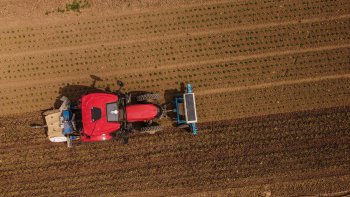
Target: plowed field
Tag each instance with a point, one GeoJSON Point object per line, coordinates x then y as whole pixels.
{"type": "Point", "coordinates": [272, 83]}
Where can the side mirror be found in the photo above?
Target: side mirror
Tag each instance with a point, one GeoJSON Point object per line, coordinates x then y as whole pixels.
{"type": "Point", "coordinates": [95, 78]}
{"type": "Point", "coordinates": [120, 84]}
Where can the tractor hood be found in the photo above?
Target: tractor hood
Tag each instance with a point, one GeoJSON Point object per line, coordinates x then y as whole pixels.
{"type": "Point", "coordinates": [142, 112]}
{"type": "Point", "coordinates": [95, 108]}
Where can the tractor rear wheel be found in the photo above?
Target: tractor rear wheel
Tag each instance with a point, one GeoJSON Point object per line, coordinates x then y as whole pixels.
{"type": "Point", "coordinates": [151, 129]}
{"type": "Point", "coordinates": [148, 97]}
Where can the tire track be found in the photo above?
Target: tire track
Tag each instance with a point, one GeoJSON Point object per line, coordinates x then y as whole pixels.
{"type": "Point", "coordinates": [268, 85]}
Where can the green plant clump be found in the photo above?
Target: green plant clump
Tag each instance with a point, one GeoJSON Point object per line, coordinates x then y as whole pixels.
{"type": "Point", "coordinates": [77, 5]}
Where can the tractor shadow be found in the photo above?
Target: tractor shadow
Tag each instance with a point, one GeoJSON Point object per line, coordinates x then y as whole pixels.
{"type": "Point", "coordinates": [169, 96]}
{"type": "Point", "coordinates": [75, 92]}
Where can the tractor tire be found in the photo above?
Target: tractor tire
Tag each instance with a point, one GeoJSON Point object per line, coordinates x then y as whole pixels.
{"type": "Point", "coordinates": [151, 129]}
{"type": "Point", "coordinates": [148, 97]}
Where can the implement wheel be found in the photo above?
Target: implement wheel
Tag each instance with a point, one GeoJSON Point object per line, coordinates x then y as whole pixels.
{"type": "Point", "coordinates": [151, 129]}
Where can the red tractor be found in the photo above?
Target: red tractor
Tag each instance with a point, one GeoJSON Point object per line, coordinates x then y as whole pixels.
{"type": "Point", "coordinates": [103, 116]}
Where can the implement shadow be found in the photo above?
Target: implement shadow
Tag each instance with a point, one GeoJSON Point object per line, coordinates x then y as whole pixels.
{"type": "Point", "coordinates": [169, 96]}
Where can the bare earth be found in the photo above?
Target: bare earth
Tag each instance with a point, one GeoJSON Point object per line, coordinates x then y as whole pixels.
{"type": "Point", "coordinates": [273, 92]}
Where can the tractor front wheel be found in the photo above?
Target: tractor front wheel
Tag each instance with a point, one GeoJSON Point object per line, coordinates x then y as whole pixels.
{"type": "Point", "coordinates": [151, 129]}
{"type": "Point", "coordinates": [148, 97]}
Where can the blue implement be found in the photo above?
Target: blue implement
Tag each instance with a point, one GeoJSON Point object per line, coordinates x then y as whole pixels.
{"type": "Point", "coordinates": [185, 108]}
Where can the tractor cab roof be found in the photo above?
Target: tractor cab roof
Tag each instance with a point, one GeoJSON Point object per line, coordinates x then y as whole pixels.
{"type": "Point", "coordinates": [99, 113]}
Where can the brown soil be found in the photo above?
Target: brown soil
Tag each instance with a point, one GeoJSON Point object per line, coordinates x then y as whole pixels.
{"type": "Point", "coordinates": [254, 155]}
{"type": "Point", "coordinates": [273, 92]}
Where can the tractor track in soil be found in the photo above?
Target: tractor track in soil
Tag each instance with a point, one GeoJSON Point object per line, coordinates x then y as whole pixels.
{"type": "Point", "coordinates": [273, 95]}
{"type": "Point", "coordinates": [267, 85]}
